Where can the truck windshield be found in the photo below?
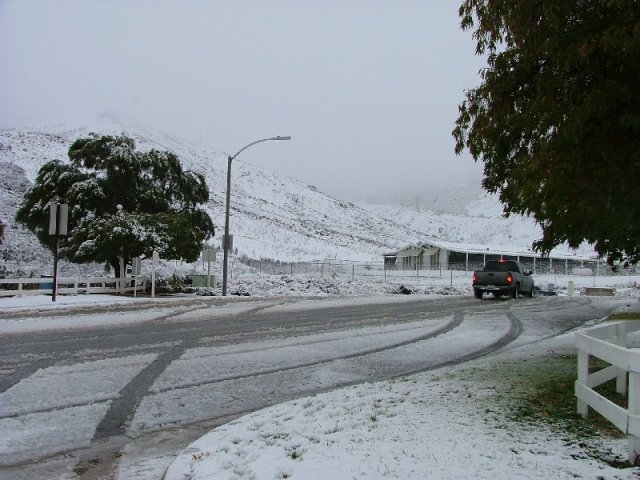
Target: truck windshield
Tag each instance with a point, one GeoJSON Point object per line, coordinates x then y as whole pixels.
{"type": "Point", "coordinates": [495, 266]}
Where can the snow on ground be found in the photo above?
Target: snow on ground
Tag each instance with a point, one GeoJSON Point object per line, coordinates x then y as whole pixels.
{"type": "Point", "coordinates": [44, 302]}
{"type": "Point", "coordinates": [39, 312]}
{"type": "Point", "coordinates": [191, 367]}
{"type": "Point", "coordinates": [439, 425]}
{"type": "Point", "coordinates": [448, 423]}
{"type": "Point", "coordinates": [89, 387]}
{"type": "Point", "coordinates": [262, 285]}
{"type": "Point", "coordinates": [38, 434]}
{"type": "Point", "coordinates": [74, 395]}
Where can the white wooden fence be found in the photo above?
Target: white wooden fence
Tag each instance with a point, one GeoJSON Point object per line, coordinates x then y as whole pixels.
{"type": "Point", "coordinates": [70, 286]}
{"type": "Point", "coordinates": [611, 343]}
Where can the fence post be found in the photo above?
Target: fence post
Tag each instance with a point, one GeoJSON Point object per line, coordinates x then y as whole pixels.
{"type": "Point", "coordinates": [353, 271]}
{"type": "Point", "coordinates": [621, 340]}
{"type": "Point", "coordinates": [634, 409]}
{"type": "Point", "coordinates": [155, 258]}
{"type": "Point", "coordinates": [583, 373]}
{"type": "Point", "coordinates": [122, 279]}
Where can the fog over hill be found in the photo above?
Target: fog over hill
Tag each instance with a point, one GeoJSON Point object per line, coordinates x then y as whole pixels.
{"type": "Point", "coordinates": [462, 216]}
{"type": "Point", "coordinates": [272, 217]}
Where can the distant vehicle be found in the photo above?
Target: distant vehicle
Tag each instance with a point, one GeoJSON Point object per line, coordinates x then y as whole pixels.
{"type": "Point", "coordinates": [503, 277]}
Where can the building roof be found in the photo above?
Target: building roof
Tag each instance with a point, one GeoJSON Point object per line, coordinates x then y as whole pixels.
{"type": "Point", "coordinates": [511, 250]}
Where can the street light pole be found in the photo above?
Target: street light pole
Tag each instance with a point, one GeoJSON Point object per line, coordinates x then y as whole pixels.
{"type": "Point", "coordinates": [225, 261]}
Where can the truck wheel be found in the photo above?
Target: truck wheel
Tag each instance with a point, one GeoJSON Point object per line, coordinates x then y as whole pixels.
{"type": "Point", "coordinates": [515, 293]}
{"type": "Point", "coordinates": [477, 294]}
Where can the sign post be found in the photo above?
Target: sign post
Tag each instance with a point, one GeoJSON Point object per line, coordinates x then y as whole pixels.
{"type": "Point", "coordinates": [154, 265]}
{"type": "Point", "coordinates": [58, 221]}
{"type": "Point", "coordinates": [136, 269]}
{"type": "Point", "coordinates": [122, 282]}
{"type": "Point", "coordinates": [209, 254]}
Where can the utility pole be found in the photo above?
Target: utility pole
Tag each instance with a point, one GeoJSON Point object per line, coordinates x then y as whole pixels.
{"type": "Point", "coordinates": [226, 246]}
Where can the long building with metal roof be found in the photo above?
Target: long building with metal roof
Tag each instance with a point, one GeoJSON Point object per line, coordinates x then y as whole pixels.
{"type": "Point", "coordinates": [466, 256]}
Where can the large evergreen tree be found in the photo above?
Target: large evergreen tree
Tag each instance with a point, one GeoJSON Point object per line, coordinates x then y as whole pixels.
{"type": "Point", "coordinates": [556, 119]}
{"type": "Point", "coordinates": [122, 202]}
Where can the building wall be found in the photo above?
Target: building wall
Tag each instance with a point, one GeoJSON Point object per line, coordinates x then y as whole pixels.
{"type": "Point", "coordinates": [435, 258]}
{"type": "Point", "coordinates": [443, 255]}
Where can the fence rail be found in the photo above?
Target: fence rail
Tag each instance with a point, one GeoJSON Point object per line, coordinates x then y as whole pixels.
{"type": "Point", "coordinates": [610, 343]}
{"type": "Point", "coordinates": [71, 286]}
{"type": "Point", "coordinates": [456, 273]}
{"type": "Point", "coordinates": [378, 268]}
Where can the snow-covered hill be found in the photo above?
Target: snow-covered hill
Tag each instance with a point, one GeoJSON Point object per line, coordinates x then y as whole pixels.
{"type": "Point", "coordinates": [272, 216]}
{"type": "Point", "coordinates": [477, 219]}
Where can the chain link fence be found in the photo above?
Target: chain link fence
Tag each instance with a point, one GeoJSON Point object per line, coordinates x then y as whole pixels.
{"type": "Point", "coordinates": [354, 269]}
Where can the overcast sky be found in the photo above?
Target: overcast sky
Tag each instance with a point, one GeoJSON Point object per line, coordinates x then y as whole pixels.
{"type": "Point", "coordinates": [368, 89]}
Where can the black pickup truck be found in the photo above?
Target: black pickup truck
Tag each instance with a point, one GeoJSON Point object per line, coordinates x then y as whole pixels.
{"type": "Point", "coordinates": [503, 277]}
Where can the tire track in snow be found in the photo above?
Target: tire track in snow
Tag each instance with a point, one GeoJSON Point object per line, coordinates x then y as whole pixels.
{"type": "Point", "coordinates": [246, 393]}
{"type": "Point", "coordinates": [450, 325]}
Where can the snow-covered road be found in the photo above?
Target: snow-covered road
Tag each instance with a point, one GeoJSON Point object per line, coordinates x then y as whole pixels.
{"type": "Point", "coordinates": [191, 364]}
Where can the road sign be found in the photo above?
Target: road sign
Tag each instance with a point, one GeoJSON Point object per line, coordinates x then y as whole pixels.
{"type": "Point", "coordinates": [136, 266]}
{"type": "Point", "coordinates": [209, 254]}
{"type": "Point", "coordinates": [230, 243]}
{"type": "Point", "coordinates": [58, 218]}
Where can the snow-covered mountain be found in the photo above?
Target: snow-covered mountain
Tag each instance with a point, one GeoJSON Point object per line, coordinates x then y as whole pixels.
{"type": "Point", "coordinates": [463, 216]}
{"type": "Point", "coordinates": [271, 216]}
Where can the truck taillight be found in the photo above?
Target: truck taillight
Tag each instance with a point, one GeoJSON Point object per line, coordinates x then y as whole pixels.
{"type": "Point", "coordinates": [474, 278]}
{"type": "Point", "coordinates": [509, 279]}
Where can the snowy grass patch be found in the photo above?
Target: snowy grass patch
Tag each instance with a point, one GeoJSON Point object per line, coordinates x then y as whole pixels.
{"type": "Point", "coordinates": [510, 416]}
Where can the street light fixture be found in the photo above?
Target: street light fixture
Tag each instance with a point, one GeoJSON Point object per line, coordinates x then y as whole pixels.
{"type": "Point", "coordinates": [225, 260]}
